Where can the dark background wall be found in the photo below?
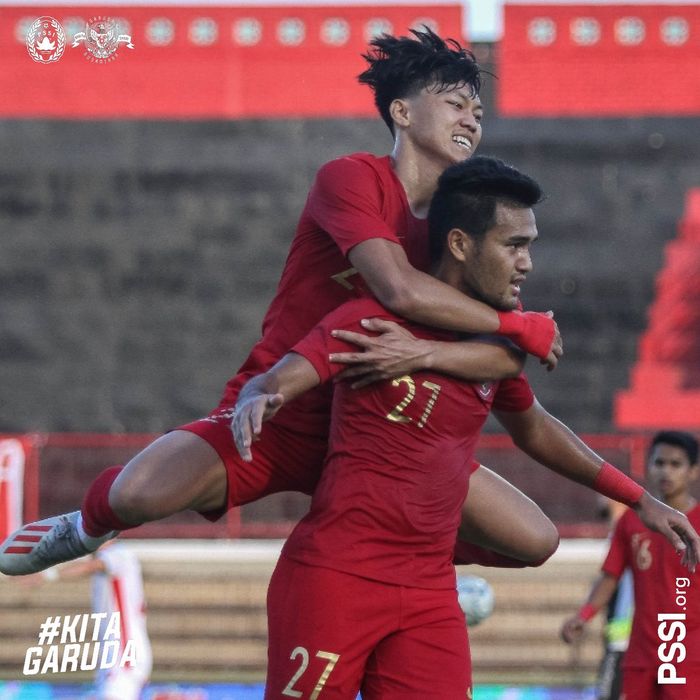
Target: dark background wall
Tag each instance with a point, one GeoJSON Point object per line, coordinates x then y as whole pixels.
{"type": "Point", "coordinates": [137, 258]}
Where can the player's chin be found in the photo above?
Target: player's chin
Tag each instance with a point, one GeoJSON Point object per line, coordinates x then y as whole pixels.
{"type": "Point", "coordinates": [666, 489]}
{"type": "Point", "coordinates": [458, 154]}
{"type": "Point", "coordinates": [509, 302]}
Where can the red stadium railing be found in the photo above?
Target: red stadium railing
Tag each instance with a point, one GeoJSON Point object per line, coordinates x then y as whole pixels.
{"type": "Point", "coordinates": [57, 468]}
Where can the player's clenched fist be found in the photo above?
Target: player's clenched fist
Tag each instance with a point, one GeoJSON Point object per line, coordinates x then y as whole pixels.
{"type": "Point", "coordinates": [572, 629]}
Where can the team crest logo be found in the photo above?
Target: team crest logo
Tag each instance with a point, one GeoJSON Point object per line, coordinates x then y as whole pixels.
{"type": "Point", "coordinates": [485, 390]}
{"type": "Point", "coordinates": [102, 39]}
{"type": "Point", "coordinates": [46, 40]}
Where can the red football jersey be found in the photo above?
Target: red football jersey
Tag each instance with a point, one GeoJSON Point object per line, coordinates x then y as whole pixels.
{"type": "Point", "coordinates": [389, 501]}
{"type": "Point", "coordinates": [353, 199]}
{"type": "Point", "coordinates": [661, 587]}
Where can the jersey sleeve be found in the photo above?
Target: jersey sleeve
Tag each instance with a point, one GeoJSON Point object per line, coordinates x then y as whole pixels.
{"type": "Point", "coordinates": [616, 560]}
{"type": "Point", "coordinates": [346, 202]}
{"type": "Point", "coordinates": [514, 395]}
{"type": "Point", "coordinates": [319, 342]}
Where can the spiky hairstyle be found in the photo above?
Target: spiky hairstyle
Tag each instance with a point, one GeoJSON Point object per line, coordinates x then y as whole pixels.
{"type": "Point", "coordinates": [467, 196]}
{"type": "Point", "coordinates": [402, 66]}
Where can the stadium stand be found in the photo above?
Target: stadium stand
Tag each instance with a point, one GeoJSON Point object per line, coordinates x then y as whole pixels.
{"type": "Point", "coordinates": [207, 621]}
{"type": "Point", "coordinates": [665, 389]}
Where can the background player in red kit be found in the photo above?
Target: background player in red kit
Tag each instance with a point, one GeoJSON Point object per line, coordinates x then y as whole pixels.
{"type": "Point", "coordinates": [659, 649]}
{"type": "Point", "coordinates": [364, 593]}
{"type": "Point", "coordinates": [361, 228]}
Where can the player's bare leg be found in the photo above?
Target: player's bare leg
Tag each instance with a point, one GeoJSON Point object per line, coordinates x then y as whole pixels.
{"type": "Point", "coordinates": [179, 471]}
{"type": "Point", "coordinates": [508, 528]}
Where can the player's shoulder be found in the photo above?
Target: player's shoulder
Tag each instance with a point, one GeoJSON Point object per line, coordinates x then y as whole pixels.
{"type": "Point", "coordinates": [352, 312]}
{"type": "Point", "coordinates": [630, 522]}
{"type": "Point", "coordinates": [629, 516]}
{"type": "Point", "coordinates": [356, 164]}
{"type": "Point", "coordinates": [694, 515]}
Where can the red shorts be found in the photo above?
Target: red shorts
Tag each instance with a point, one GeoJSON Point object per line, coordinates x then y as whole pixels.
{"type": "Point", "coordinates": [332, 634]}
{"type": "Point", "coordinates": [283, 460]}
{"type": "Point", "coordinates": [641, 684]}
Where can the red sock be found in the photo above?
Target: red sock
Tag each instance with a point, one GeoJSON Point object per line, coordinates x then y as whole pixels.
{"type": "Point", "coordinates": [98, 516]}
{"type": "Point", "coordinates": [467, 553]}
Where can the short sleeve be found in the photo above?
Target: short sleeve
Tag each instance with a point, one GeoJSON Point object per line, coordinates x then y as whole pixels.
{"type": "Point", "coordinates": [319, 343]}
{"type": "Point", "coordinates": [616, 561]}
{"type": "Point", "coordinates": [346, 202]}
{"type": "Point", "coordinates": [514, 395]}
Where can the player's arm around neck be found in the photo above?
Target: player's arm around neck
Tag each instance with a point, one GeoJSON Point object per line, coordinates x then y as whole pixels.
{"type": "Point", "coordinates": [417, 296]}
{"type": "Point", "coordinates": [407, 292]}
{"type": "Point", "coordinates": [396, 351]}
{"type": "Point", "coordinates": [262, 396]}
{"type": "Point", "coordinates": [476, 360]}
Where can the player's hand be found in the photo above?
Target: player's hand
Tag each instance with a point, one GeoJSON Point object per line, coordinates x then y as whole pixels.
{"type": "Point", "coordinates": [248, 419]}
{"type": "Point", "coordinates": [392, 353]}
{"type": "Point", "coordinates": [674, 525]}
{"type": "Point", "coordinates": [572, 629]}
{"type": "Point", "coordinates": [557, 349]}
{"type": "Point", "coordinates": [535, 333]}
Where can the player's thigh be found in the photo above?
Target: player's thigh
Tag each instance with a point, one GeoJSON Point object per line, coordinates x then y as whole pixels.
{"type": "Point", "coordinates": [427, 660]}
{"type": "Point", "coordinates": [322, 626]}
{"type": "Point", "coordinates": [178, 471]}
{"type": "Point", "coordinates": [690, 690]}
{"type": "Point", "coordinates": [639, 683]}
{"type": "Point", "coordinates": [283, 459]}
{"type": "Point", "coordinates": [500, 517]}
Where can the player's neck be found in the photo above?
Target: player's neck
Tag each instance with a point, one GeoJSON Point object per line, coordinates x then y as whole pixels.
{"type": "Point", "coordinates": [451, 273]}
{"type": "Point", "coordinates": [418, 175]}
{"type": "Point", "coordinates": [682, 502]}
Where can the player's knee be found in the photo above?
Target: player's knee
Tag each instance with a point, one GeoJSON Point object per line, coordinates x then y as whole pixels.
{"type": "Point", "coordinates": [133, 501]}
{"type": "Point", "coordinates": [544, 543]}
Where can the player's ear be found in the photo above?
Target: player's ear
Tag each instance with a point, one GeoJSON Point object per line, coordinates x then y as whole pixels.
{"type": "Point", "coordinates": [694, 471]}
{"type": "Point", "coordinates": [459, 244]}
{"type": "Point", "coordinates": [398, 110]}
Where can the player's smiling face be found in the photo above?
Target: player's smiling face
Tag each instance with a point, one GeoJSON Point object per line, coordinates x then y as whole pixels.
{"type": "Point", "coordinates": [444, 126]}
{"type": "Point", "coordinates": [669, 471]}
{"type": "Point", "coordinates": [495, 266]}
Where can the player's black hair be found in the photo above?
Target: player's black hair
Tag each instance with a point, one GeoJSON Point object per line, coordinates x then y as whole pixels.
{"type": "Point", "coordinates": [467, 195]}
{"type": "Point", "coordinates": [677, 438]}
{"type": "Point", "coordinates": [402, 66]}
